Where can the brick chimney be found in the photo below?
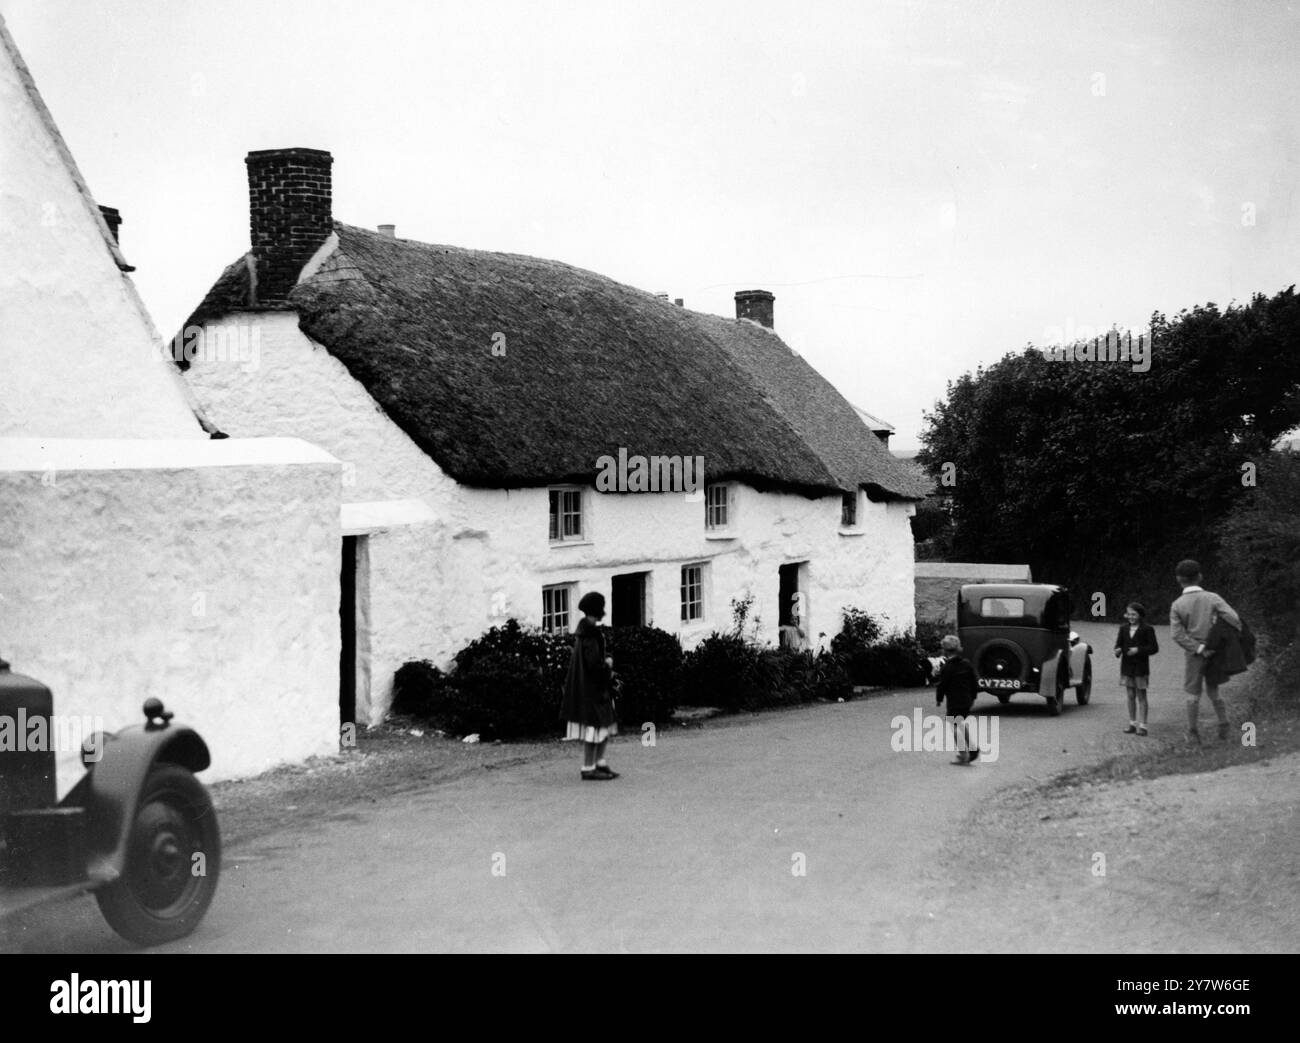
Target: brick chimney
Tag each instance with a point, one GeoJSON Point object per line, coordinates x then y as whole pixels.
{"type": "Point", "coordinates": [756, 305]}
{"type": "Point", "coordinates": [289, 215]}
{"type": "Point", "coordinates": [114, 221]}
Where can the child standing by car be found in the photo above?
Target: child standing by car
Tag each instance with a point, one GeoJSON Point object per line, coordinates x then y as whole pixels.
{"type": "Point", "coordinates": [957, 684]}
{"type": "Point", "coordinates": [1135, 644]}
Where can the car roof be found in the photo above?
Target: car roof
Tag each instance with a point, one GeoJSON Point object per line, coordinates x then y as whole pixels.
{"type": "Point", "coordinates": [969, 591]}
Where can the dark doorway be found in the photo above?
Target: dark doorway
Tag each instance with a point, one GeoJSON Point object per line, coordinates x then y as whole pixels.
{"type": "Point", "coordinates": [789, 588]}
{"type": "Point", "coordinates": [348, 632]}
{"type": "Point", "coordinates": [627, 608]}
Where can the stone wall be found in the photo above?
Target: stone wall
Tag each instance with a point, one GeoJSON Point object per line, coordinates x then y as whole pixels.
{"type": "Point", "coordinates": [937, 584]}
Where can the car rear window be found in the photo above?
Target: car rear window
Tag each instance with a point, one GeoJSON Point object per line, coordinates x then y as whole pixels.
{"type": "Point", "coordinates": [1002, 607]}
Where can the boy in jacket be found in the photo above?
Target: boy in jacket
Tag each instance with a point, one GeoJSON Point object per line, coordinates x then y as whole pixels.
{"type": "Point", "coordinates": [1191, 617]}
{"type": "Point", "coordinates": [957, 685]}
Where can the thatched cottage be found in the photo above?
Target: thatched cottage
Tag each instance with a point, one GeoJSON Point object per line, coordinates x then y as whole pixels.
{"type": "Point", "coordinates": [475, 398]}
{"type": "Point", "coordinates": [139, 557]}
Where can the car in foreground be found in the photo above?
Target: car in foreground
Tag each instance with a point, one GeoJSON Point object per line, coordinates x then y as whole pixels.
{"type": "Point", "coordinates": [137, 829]}
{"type": "Point", "coordinates": [1017, 636]}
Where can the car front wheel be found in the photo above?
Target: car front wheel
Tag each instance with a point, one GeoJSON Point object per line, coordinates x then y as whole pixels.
{"type": "Point", "coordinates": [173, 859]}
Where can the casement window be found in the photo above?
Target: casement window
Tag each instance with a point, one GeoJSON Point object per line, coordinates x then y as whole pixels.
{"type": "Point", "coordinates": [555, 608]}
{"type": "Point", "coordinates": [716, 505]}
{"type": "Point", "coordinates": [566, 515]}
{"type": "Point", "coordinates": [692, 593]}
{"type": "Point", "coordinates": [849, 510]}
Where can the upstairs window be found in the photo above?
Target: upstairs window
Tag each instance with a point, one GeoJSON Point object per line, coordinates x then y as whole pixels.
{"type": "Point", "coordinates": [715, 506]}
{"type": "Point", "coordinates": [566, 515]}
{"type": "Point", "coordinates": [849, 510]}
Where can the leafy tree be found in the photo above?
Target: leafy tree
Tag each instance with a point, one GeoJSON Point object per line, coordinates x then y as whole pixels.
{"type": "Point", "coordinates": [1102, 477]}
{"type": "Point", "coordinates": [1260, 557]}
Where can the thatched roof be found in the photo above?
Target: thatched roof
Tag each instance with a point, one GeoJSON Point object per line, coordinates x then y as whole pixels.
{"type": "Point", "coordinates": [914, 467]}
{"type": "Point", "coordinates": [590, 365]}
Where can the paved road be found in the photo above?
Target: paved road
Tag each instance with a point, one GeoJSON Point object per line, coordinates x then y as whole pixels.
{"type": "Point", "coordinates": [695, 848]}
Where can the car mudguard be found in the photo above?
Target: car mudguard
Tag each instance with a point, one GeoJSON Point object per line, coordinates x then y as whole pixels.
{"type": "Point", "coordinates": [110, 791]}
{"type": "Point", "coordinates": [1047, 677]}
{"type": "Point", "coordinates": [1079, 652]}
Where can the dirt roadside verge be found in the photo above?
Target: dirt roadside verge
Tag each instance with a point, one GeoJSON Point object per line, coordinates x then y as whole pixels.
{"type": "Point", "coordinates": [1167, 850]}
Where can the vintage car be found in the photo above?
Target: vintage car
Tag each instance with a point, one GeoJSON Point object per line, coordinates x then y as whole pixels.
{"type": "Point", "coordinates": [137, 829]}
{"type": "Point", "coordinates": [1017, 636]}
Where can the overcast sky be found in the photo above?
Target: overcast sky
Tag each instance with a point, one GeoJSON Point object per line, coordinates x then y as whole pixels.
{"type": "Point", "coordinates": [924, 186]}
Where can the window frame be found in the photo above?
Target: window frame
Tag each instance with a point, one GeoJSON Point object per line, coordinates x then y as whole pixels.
{"type": "Point", "coordinates": [850, 501]}
{"type": "Point", "coordinates": [687, 602]}
{"type": "Point", "coordinates": [567, 590]}
{"type": "Point", "coordinates": [555, 521]}
{"type": "Point", "coordinates": [1003, 601]}
{"type": "Point", "coordinates": [711, 509]}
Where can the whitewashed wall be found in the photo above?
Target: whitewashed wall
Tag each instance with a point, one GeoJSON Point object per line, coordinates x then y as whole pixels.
{"type": "Point", "coordinates": [486, 557]}
{"type": "Point", "coordinates": [204, 573]}
{"type": "Point", "coordinates": [77, 350]}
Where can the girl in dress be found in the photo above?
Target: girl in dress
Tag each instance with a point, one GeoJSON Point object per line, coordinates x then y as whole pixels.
{"type": "Point", "coordinates": [588, 706]}
{"type": "Point", "coordinates": [1135, 644]}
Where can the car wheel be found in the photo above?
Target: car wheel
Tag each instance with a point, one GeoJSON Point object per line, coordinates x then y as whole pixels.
{"type": "Point", "coordinates": [164, 890]}
{"type": "Point", "coordinates": [1083, 690]}
{"type": "Point", "coordinates": [1001, 659]}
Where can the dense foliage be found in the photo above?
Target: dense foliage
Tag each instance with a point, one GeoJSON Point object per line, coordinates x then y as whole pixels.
{"type": "Point", "coordinates": [871, 657]}
{"type": "Point", "coordinates": [649, 663]}
{"type": "Point", "coordinates": [1102, 477]}
{"type": "Point", "coordinates": [509, 682]}
{"type": "Point", "coordinates": [1260, 560]}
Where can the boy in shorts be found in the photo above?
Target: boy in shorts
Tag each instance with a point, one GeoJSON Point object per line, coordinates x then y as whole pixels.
{"type": "Point", "coordinates": [1190, 618]}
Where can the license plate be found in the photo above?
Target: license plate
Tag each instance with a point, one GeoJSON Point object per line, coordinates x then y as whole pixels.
{"type": "Point", "coordinates": [999, 682]}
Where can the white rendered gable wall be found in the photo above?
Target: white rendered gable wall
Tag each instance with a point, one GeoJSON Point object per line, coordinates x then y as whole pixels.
{"type": "Point", "coordinates": [203, 573]}
{"type": "Point", "coordinates": [485, 556]}
{"type": "Point", "coordinates": [76, 346]}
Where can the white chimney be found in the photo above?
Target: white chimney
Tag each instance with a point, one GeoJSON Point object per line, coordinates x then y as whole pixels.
{"type": "Point", "coordinates": [388, 230]}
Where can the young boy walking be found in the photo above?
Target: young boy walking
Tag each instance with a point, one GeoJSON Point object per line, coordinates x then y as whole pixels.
{"type": "Point", "coordinates": [1190, 618]}
{"type": "Point", "coordinates": [957, 685]}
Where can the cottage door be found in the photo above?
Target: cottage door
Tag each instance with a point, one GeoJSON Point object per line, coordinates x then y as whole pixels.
{"type": "Point", "coordinates": [792, 608]}
{"type": "Point", "coordinates": [348, 632]}
{"type": "Point", "coordinates": [628, 600]}
{"type": "Point", "coordinates": [789, 589]}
